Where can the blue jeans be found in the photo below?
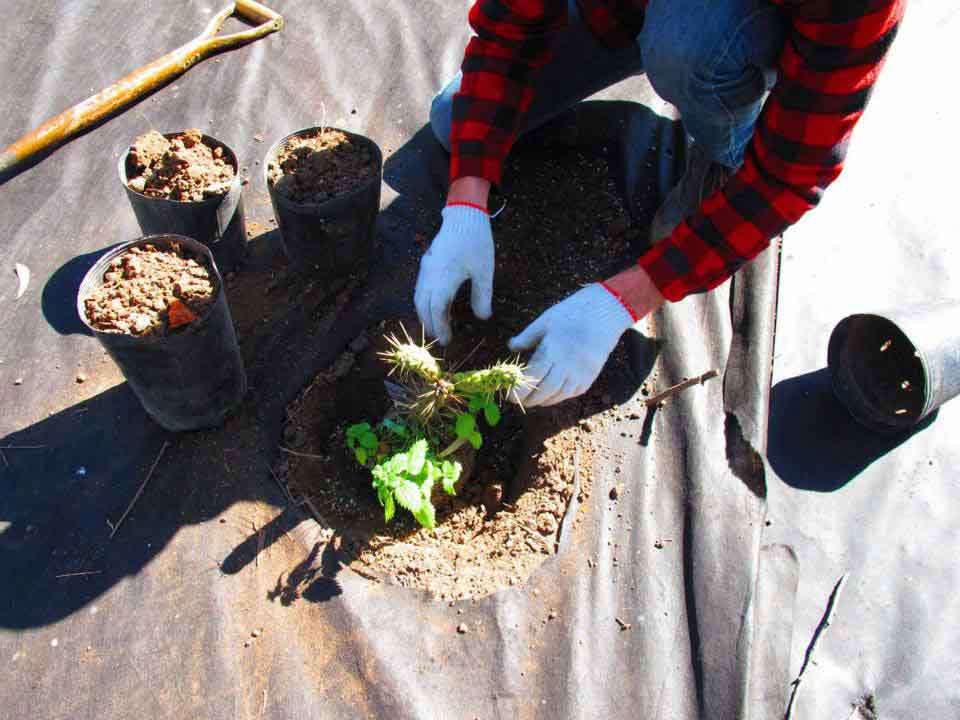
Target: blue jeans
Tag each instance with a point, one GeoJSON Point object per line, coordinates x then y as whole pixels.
{"type": "Point", "coordinates": [714, 60]}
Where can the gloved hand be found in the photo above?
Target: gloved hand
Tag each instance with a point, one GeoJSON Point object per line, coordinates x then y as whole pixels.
{"type": "Point", "coordinates": [573, 340]}
{"type": "Point", "coordinates": [462, 250]}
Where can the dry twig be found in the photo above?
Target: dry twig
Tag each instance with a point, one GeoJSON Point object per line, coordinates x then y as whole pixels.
{"type": "Point", "coordinates": [679, 387]}
{"type": "Point", "coordinates": [114, 528]}
{"type": "Point", "coordinates": [78, 574]}
{"type": "Point", "coordinates": [301, 454]}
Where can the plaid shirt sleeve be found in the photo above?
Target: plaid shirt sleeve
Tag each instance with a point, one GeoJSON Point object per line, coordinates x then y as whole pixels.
{"type": "Point", "coordinates": [514, 39]}
{"type": "Point", "coordinates": [826, 73]}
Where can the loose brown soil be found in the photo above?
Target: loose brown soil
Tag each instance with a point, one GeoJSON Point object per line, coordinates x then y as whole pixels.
{"type": "Point", "coordinates": [142, 285]}
{"type": "Point", "coordinates": [319, 167]}
{"type": "Point", "coordinates": [183, 167]}
{"type": "Point", "coordinates": [564, 226]}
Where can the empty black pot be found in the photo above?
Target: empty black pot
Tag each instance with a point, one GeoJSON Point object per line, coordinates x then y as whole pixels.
{"type": "Point", "coordinates": [893, 369]}
{"type": "Point", "coordinates": [190, 378]}
{"type": "Point", "coordinates": [333, 237]}
{"type": "Point", "coordinates": [216, 221]}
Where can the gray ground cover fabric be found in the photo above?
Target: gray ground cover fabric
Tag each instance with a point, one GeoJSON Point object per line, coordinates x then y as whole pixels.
{"type": "Point", "coordinates": [720, 616]}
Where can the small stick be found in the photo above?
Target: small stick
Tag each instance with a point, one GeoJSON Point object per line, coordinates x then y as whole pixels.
{"type": "Point", "coordinates": [22, 447]}
{"type": "Point", "coordinates": [623, 625]}
{"type": "Point", "coordinates": [163, 449]}
{"type": "Point", "coordinates": [817, 634]}
{"type": "Point", "coordinates": [78, 574]}
{"type": "Point", "coordinates": [301, 454]}
{"type": "Point", "coordinates": [674, 389]}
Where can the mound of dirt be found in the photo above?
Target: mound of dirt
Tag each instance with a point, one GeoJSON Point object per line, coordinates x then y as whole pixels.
{"type": "Point", "coordinates": [150, 291]}
{"type": "Point", "coordinates": [503, 522]}
{"type": "Point", "coordinates": [319, 167]}
{"type": "Point", "coordinates": [564, 226]}
{"type": "Point", "coordinates": [183, 167]}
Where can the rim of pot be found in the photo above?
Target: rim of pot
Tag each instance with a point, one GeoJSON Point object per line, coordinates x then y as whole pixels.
{"type": "Point", "coordinates": [122, 170]}
{"type": "Point", "coordinates": [275, 148]}
{"type": "Point", "coordinates": [91, 282]}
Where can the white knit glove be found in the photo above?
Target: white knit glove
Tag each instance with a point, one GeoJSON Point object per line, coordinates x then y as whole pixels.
{"type": "Point", "coordinates": [573, 340]}
{"type": "Point", "coordinates": [461, 251]}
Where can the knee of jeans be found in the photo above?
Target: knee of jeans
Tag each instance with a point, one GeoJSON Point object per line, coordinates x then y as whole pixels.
{"type": "Point", "coordinates": [678, 70]}
{"type": "Point", "coordinates": [441, 117]}
{"type": "Point", "coordinates": [696, 82]}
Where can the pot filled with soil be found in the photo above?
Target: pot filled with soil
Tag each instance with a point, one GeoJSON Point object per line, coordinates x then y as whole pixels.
{"type": "Point", "coordinates": [187, 183]}
{"type": "Point", "coordinates": [158, 307]}
{"type": "Point", "coordinates": [324, 184]}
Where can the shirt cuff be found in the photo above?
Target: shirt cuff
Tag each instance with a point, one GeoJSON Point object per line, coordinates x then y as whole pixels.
{"type": "Point", "coordinates": [487, 167]}
{"type": "Point", "coordinates": [663, 273]}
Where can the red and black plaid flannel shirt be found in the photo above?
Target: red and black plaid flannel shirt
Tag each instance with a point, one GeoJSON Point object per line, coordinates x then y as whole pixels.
{"type": "Point", "coordinates": [826, 72]}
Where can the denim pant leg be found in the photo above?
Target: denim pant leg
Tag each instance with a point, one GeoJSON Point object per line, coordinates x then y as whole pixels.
{"type": "Point", "coordinates": [580, 67]}
{"type": "Point", "coordinates": [715, 62]}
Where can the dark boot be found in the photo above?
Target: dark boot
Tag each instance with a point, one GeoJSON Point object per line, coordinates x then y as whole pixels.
{"type": "Point", "coordinates": [702, 178]}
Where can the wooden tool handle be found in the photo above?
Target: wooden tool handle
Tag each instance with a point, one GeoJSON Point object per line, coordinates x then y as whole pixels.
{"type": "Point", "coordinates": [134, 86]}
{"type": "Point", "coordinates": [257, 13]}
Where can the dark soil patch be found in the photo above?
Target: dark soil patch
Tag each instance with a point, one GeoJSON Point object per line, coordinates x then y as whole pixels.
{"type": "Point", "coordinates": [564, 227]}
{"type": "Point", "coordinates": [186, 166]}
{"type": "Point", "coordinates": [319, 167]}
{"type": "Point", "coordinates": [150, 291]}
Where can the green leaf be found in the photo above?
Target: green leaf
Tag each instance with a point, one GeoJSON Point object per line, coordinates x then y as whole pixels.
{"type": "Point", "coordinates": [417, 456]}
{"type": "Point", "coordinates": [476, 439]}
{"type": "Point", "coordinates": [476, 403]}
{"type": "Point", "coordinates": [465, 425]}
{"type": "Point", "coordinates": [361, 455]}
{"type": "Point", "coordinates": [409, 496]}
{"type": "Point", "coordinates": [355, 431]}
{"type": "Point", "coordinates": [398, 463]}
{"type": "Point", "coordinates": [395, 427]}
{"type": "Point", "coordinates": [451, 473]}
{"type": "Point", "coordinates": [389, 509]}
{"type": "Point", "coordinates": [426, 487]}
{"type": "Point", "coordinates": [426, 515]}
{"type": "Point", "coordinates": [491, 413]}
{"type": "Point", "coordinates": [369, 440]}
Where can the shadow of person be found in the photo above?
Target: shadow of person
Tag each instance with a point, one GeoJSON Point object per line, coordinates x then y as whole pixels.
{"type": "Point", "coordinates": [813, 443]}
{"type": "Point", "coordinates": [67, 475]}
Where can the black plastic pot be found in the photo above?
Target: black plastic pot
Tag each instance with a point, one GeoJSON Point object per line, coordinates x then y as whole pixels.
{"type": "Point", "coordinates": [893, 369]}
{"type": "Point", "coordinates": [191, 378]}
{"type": "Point", "coordinates": [217, 221]}
{"type": "Point", "coordinates": [333, 237]}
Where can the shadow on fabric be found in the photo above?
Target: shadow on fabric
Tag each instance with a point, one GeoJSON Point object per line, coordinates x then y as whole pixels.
{"type": "Point", "coordinates": [66, 476]}
{"type": "Point", "coordinates": [813, 443]}
{"type": "Point", "coordinates": [59, 299]}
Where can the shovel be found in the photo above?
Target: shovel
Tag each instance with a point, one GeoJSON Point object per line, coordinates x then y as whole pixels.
{"type": "Point", "coordinates": [127, 91]}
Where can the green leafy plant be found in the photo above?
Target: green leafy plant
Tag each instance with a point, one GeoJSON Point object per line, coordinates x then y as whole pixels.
{"type": "Point", "coordinates": [435, 413]}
